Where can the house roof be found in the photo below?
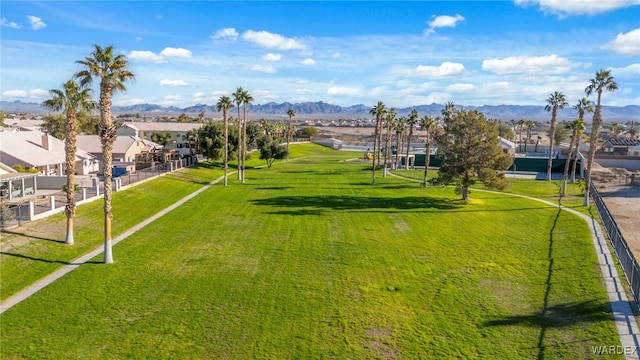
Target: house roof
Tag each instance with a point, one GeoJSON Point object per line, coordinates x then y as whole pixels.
{"type": "Point", "coordinates": [624, 142]}
{"type": "Point", "coordinates": [506, 143]}
{"type": "Point", "coordinates": [27, 146]}
{"type": "Point", "coordinates": [92, 144]}
{"type": "Point", "coordinates": [162, 126]}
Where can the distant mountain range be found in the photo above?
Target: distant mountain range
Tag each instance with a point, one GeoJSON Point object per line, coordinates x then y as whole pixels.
{"type": "Point", "coordinates": [320, 110]}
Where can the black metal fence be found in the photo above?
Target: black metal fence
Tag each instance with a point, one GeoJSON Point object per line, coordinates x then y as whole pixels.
{"type": "Point", "coordinates": [628, 262]}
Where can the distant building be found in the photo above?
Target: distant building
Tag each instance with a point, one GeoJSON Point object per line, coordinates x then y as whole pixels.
{"type": "Point", "coordinates": [125, 148]}
{"type": "Point", "coordinates": [178, 132]}
{"type": "Point", "coordinates": [619, 146]}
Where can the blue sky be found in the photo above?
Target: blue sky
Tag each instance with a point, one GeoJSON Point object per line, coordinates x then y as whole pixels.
{"type": "Point", "coordinates": [403, 53]}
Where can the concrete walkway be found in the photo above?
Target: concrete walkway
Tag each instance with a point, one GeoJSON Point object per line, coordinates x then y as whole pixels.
{"type": "Point", "coordinates": [38, 285]}
{"type": "Point", "coordinates": [620, 304]}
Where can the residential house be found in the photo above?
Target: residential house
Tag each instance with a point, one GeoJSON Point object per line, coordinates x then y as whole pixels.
{"type": "Point", "coordinates": [126, 148]}
{"type": "Point", "coordinates": [619, 146]}
{"type": "Point", "coordinates": [46, 154]}
{"type": "Point", "coordinates": [634, 151]}
{"type": "Point", "coordinates": [179, 139]}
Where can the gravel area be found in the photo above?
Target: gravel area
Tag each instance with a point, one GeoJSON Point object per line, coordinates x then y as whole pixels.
{"type": "Point", "coordinates": [623, 202]}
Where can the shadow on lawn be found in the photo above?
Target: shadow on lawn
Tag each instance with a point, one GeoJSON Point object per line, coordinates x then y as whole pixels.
{"type": "Point", "coordinates": [334, 202]}
{"type": "Point", "coordinates": [32, 236]}
{"type": "Point", "coordinates": [27, 257]}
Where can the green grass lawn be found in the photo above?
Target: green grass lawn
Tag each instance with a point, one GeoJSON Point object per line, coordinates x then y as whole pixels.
{"type": "Point", "coordinates": [309, 260]}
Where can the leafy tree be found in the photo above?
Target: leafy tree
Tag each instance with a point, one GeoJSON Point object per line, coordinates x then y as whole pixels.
{"type": "Point", "coordinates": [183, 118]}
{"type": "Point", "coordinates": [88, 124]}
{"type": "Point", "coordinates": [253, 134]}
{"type": "Point", "coordinates": [429, 124]}
{"type": "Point", "coordinates": [112, 71]}
{"type": "Point", "coordinates": [70, 99]}
{"type": "Point", "coordinates": [308, 131]}
{"type": "Point", "coordinates": [271, 150]}
{"type": "Point", "coordinates": [211, 140]}
{"type": "Point", "coordinates": [555, 101]}
{"type": "Point", "coordinates": [54, 125]}
{"type": "Point", "coordinates": [506, 132]}
{"type": "Point", "coordinates": [470, 150]}
{"type": "Point", "coordinates": [161, 137]}
{"type": "Point", "coordinates": [562, 133]}
{"type": "Point", "coordinates": [224, 104]}
{"type": "Point", "coordinates": [378, 111]}
{"type": "Point", "coordinates": [603, 81]}
{"type": "Point", "coordinates": [291, 113]}
{"type": "Point", "coordinates": [1, 118]}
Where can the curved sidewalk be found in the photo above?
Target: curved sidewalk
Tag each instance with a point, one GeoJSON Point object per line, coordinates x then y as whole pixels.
{"type": "Point", "coordinates": [38, 285]}
{"type": "Point", "coordinates": [620, 304]}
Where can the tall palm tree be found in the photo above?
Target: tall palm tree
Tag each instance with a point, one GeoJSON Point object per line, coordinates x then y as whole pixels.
{"type": "Point", "coordinates": [412, 120]}
{"type": "Point", "coordinates": [555, 101]}
{"type": "Point", "coordinates": [388, 124]}
{"type": "Point", "coordinates": [112, 71]}
{"type": "Point", "coordinates": [291, 114]}
{"type": "Point", "coordinates": [521, 124]}
{"type": "Point", "coordinates": [246, 100]}
{"type": "Point", "coordinates": [576, 126]}
{"type": "Point", "coordinates": [603, 81]}
{"type": "Point", "coordinates": [378, 111]}
{"type": "Point", "coordinates": [400, 128]}
{"type": "Point", "coordinates": [72, 98]}
{"type": "Point", "coordinates": [428, 123]}
{"type": "Point", "coordinates": [583, 106]}
{"type": "Point", "coordinates": [449, 110]}
{"type": "Point", "coordinates": [224, 104]}
{"type": "Point", "coordinates": [237, 99]}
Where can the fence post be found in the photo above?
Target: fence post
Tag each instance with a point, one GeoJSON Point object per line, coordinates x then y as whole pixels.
{"type": "Point", "coordinates": [52, 202]}
{"type": "Point", "coordinates": [84, 193]}
{"type": "Point", "coordinates": [32, 210]}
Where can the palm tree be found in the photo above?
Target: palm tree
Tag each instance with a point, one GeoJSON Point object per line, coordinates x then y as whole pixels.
{"type": "Point", "coordinates": [378, 111]}
{"type": "Point", "coordinates": [72, 99]}
{"type": "Point", "coordinates": [555, 101]}
{"type": "Point", "coordinates": [616, 129]}
{"type": "Point", "coordinates": [576, 126]}
{"type": "Point", "coordinates": [449, 110]}
{"type": "Point", "coordinates": [601, 82]}
{"type": "Point", "coordinates": [113, 73]}
{"type": "Point", "coordinates": [400, 129]}
{"type": "Point", "coordinates": [246, 99]}
{"type": "Point", "coordinates": [388, 124]}
{"type": "Point", "coordinates": [237, 99]}
{"type": "Point", "coordinates": [411, 120]}
{"type": "Point", "coordinates": [224, 104]}
{"type": "Point", "coordinates": [428, 123]}
{"type": "Point", "coordinates": [530, 124]}
{"type": "Point", "coordinates": [291, 114]}
{"type": "Point", "coordinates": [583, 106]}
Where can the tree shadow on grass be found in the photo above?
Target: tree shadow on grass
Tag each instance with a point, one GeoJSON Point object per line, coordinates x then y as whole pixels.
{"type": "Point", "coordinates": [561, 315]}
{"type": "Point", "coordinates": [32, 236]}
{"type": "Point", "coordinates": [27, 257]}
{"type": "Point", "coordinates": [345, 203]}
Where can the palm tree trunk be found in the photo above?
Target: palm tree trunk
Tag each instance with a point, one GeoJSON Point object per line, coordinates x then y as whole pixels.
{"type": "Point", "coordinates": [593, 139]}
{"type": "Point", "coordinates": [552, 134]}
{"type": "Point", "coordinates": [397, 149]}
{"type": "Point", "coordinates": [379, 132]}
{"type": "Point", "coordinates": [406, 160]}
{"type": "Point", "coordinates": [244, 138]}
{"type": "Point", "coordinates": [427, 160]}
{"type": "Point", "coordinates": [565, 176]}
{"type": "Point", "coordinates": [239, 149]}
{"type": "Point", "coordinates": [373, 157]}
{"type": "Point", "coordinates": [575, 163]}
{"type": "Point", "coordinates": [226, 146]}
{"type": "Point", "coordinates": [70, 151]}
{"type": "Point", "coordinates": [107, 136]}
{"type": "Point", "coordinates": [386, 150]}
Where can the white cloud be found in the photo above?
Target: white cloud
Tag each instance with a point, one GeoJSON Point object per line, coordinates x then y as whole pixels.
{"type": "Point", "coordinates": [443, 21]}
{"type": "Point", "coordinates": [551, 64]}
{"type": "Point", "coordinates": [226, 33]}
{"type": "Point", "coordinates": [348, 91]}
{"type": "Point", "coordinates": [167, 82]}
{"type": "Point", "coordinates": [199, 94]}
{"type": "Point", "coordinates": [272, 41]}
{"type": "Point", "coordinates": [460, 88]}
{"type": "Point", "coordinates": [626, 44]}
{"type": "Point", "coordinates": [631, 71]}
{"type": "Point", "coordinates": [438, 98]}
{"type": "Point", "coordinates": [302, 81]}
{"type": "Point", "coordinates": [564, 8]}
{"type": "Point", "coordinates": [263, 68]}
{"type": "Point", "coordinates": [15, 93]}
{"type": "Point", "coordinates": [271, 57]}
{"type": "Point", "coordinates": [173, 97]}
{"type": "Point", "coordinates": [138, 38]}
{"type": "Point", "coordinates": [10, 24]}
{"type": "Point", "coordinates": [445, 69]}
{"type": "Point", "coordinates": [304, 91]}
{"type": "Point", "coordinates": [308, 61]}
{"type": "Point", "coordinates": [38, 93]}
{"type": "Point", "coordinates": [36, 22]}
{"type": "Point", "coordinates": [335, 55]}
{"type": "Point", "coordinates": [143, 55]}
{"type": "Point", "coordinates": [176, 52]}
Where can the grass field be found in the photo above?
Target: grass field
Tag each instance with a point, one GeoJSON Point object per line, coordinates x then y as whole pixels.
{"type": "Point", "coordinates": [309, 260]}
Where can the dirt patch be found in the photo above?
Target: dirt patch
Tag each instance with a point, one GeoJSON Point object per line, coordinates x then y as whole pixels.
{"type": "Point", "coordinates": [623, 202]}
